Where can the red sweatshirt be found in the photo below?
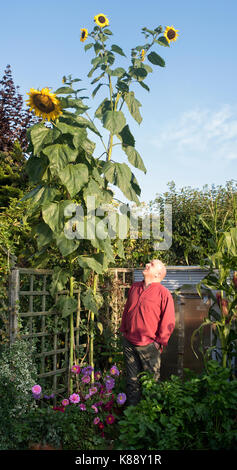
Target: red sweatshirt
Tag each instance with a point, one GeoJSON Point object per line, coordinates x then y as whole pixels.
{"type": "Point", "coordinates": [149, 314]}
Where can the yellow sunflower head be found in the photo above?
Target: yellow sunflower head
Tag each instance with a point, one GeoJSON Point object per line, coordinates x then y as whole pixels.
{"type": "Point", "coordinates": [44, 104]}
{"type": "Point", "coordinates": [101, 20]}
{"type": "Point", "coordinates": [143, 55]}
{"type": "Point", "coordinates": [84, 34]}
{"type": "Point", "coordinates": [171, 33]}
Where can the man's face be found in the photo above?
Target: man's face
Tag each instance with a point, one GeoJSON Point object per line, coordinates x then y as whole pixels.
{"type": "Point", "coordinates": [151, 270]}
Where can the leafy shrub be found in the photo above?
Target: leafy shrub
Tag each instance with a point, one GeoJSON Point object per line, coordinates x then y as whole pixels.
{"type": "Point", "coordinates": [17, 376]}
{"type": "Point", "coordinates": [198, 413]}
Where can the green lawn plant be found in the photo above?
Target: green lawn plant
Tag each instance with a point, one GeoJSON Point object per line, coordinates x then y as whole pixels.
{"type": "Point", "coordinates": [65, 168]}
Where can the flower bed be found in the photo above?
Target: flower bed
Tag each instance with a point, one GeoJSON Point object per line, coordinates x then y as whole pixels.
{"type": "Point", "coordinates": [97, 404]}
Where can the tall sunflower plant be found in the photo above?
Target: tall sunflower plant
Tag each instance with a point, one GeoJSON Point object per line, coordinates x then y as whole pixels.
{"type": "Point", "coordinates": [64, 167]}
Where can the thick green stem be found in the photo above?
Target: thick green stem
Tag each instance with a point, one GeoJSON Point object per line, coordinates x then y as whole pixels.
{"type": "Point", "coordinates": [92, 326]}
{"type": "Point", "coordinates": [71, 334]}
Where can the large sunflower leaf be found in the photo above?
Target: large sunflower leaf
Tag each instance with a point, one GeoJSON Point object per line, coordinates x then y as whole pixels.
{"type": "Point", "coordinates": [117, 49]}
{"type": "Point", "coordinates": [134, 158]}
{"type": "Point", "coordinates": [53, 215]}
{"type": "Point", "coordinates": [74, 177]}
{"type": "Point", "coordinates": [36, 167]}
{"type": "Point", "coordinates": [114, 121]}
{"type": "Point", "coordinates": [65, 245]}
{"type": "Point", "coordinates": [44, 234]}
{"type": "Point", "coordinates": [60, 155]}
{"type": "Point", "coordinates": [66, 305]}
{"type": "Point", "coordinates": [133, 105]}
{"type": "Point", "coordinates": [91, 263]}
{"type": "Point", "coordinates": [41, 135]}
{"type": "Point", "coordinates": [156, 59]}
{"type": "Point", "coordinates": [59, 280]}
{"type": "Point", "coordinates": [124, 180]}
{"type": "Point", "coordinates": [89, 301]}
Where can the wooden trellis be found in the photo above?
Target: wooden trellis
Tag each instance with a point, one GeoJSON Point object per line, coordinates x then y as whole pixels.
{"type": "Point", "coordinates": [37, 322]}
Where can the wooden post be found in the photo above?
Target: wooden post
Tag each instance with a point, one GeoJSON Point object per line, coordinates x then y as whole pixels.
{"type": "Point", "coordinates": [14, 279]}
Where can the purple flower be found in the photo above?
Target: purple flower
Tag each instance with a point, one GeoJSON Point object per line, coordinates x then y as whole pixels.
{"type": "Point", "coordinates": [109, 384]}
{"type": "Point", "coordinates": [82, 407]}
{"type": "Point", "coordinates": [121, 398]}
{"type": "Point", "coordinates": [114, 370]}
{"type": "Point", "coordinates": [87, 370]}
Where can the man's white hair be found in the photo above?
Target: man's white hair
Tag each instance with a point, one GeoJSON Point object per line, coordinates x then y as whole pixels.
{"type": "Point", "coordinates": [161, 269]}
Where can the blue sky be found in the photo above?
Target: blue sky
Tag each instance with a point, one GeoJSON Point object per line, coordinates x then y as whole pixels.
{"type": "Point", "coordinates": [189, 128]}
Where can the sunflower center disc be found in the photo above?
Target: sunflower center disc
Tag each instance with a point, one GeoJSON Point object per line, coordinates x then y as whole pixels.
{"type": "Point", "coordinates": [44, 103]}
{"type": "Point", "coordinates": [171, 34]}
{"type": "Point", "coordinates": [101, 19]}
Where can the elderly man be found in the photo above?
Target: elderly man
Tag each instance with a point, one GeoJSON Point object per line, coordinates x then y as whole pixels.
{"type": "Point", "coordinates": [147, 323]}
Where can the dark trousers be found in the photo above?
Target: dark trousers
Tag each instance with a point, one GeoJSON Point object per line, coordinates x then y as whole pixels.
{"type": "Point", "coordinates": [139, 359]}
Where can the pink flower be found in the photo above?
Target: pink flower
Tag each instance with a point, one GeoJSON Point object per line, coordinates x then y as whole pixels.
{"type": "Point", "coordinates": [92, 390]}
{"type": "Point", "coordinates": [110, 419]}
{"type": "Point", "coordinates": [75, 369]}
{"type": "Point", "coordinates": [94, 408]}
{"type": "Point", "coordinates": [86, 379]}
{"type": "Point", "coordinates": [114, 370]}
{"type": "Point", "coordinates": [82, 407]}
{"type": "Point", "coordinates": [96, 420]}
{"type": "Point", "coordinates": [74, 398]}
{"type": "Point", "coordinates": [65, 402]}
{"type": "Point", "coordinates": [98, 375]}
{"type": "Point", "coordinates": [36, 389]}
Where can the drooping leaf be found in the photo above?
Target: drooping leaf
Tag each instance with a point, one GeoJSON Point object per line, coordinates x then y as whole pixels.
{"type": "Point", "coordinates": [53, 215]}
{"type": "Point", "coordinates": [133, 105]}
{"type": "Point", "coordinates": [65, 245]}
{"type": "Point", "coordinates": [60, 155]}
{"type": "Point", "coordinates": [117, 49]}
{"type": "Point", "coordinates": [66, 305]}
{"type": "Point", "coordinates": [162, 41]}
{"type": "Point", "coordinates": [91, 263]}
{"type": "Point", "coordinates": [36, 168]}
{"type": "Point", "coordinates": [156, 59]}
{"type": "Point", "coordinates": [44, 234]}
{"type": "Point", "coordinates": [41, 135]}
{"type": "Point", "coordinates": [74, 177]}
{"type": "Point", "coordinates": [134, 158]}
{"type": "Point", "coordinates": [64, 90]}
{"type": "Point", "coordinates": [102, 108]}
{"type": "Point", "coordinates": [126, 136]}
{"type": "Point", "coordinates": [114, 121]}
{"type": "Point", "coordinates": [89, 301]}
{"type": "Point", "coordinates": [59, 280]}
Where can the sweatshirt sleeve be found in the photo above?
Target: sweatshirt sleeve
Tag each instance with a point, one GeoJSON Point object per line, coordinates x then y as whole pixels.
{"type": "Point", "coordinates": [167, 321]}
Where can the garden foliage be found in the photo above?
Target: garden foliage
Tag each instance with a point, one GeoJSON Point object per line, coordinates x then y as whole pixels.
{"type": "Point", "coordinates": [198, 413]}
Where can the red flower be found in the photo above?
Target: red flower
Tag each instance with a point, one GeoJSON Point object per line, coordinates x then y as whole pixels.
{"type": "Point", "coordinates": [110, 419]}
{"type": "Point", "coordinates": [59, 408]}
{"type": "Point", "coordinates": [101, 425]}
